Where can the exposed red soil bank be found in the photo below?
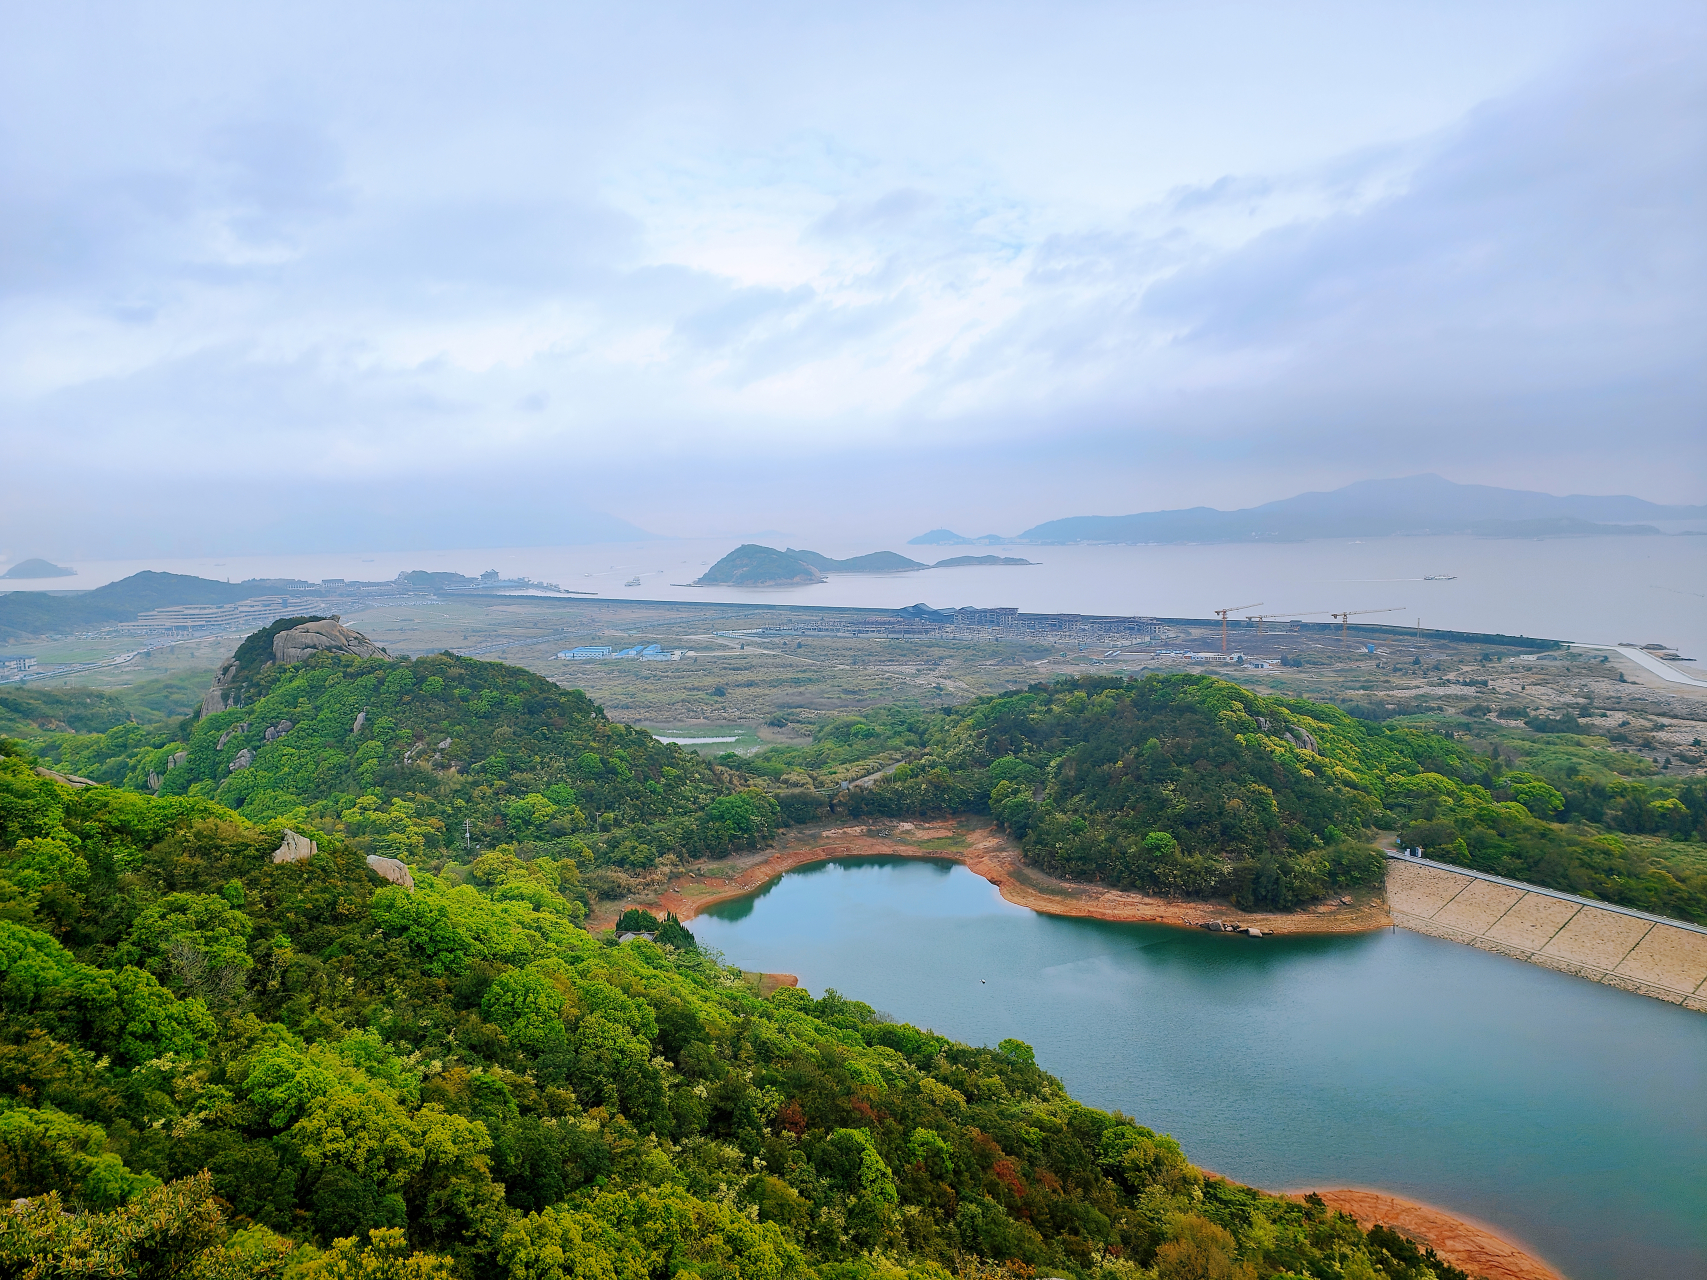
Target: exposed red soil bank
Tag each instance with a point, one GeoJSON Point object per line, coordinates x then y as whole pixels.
{"type": "Point", "coordinates": [987, 852]}
{"type": "Point", "coordinates": [1464, 1242]}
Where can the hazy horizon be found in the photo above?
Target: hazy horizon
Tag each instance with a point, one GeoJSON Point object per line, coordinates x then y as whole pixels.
{"type": "Point", "coordinates": [350, 277]}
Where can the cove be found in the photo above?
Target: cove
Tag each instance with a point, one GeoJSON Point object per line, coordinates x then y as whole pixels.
{"type": "Point", "coordinates": [1569, 1114]}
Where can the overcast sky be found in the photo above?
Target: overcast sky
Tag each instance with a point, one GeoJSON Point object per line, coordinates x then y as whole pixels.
{"type": "Point", "coordinates": [865, 268]}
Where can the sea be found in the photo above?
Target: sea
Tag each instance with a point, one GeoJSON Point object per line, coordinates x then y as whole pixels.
{"type": "Point", "coordinates": [1598, 590]}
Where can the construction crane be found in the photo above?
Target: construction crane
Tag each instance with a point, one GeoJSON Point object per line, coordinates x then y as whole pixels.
{"type": "Point", "coordinates": [1260, 618]}
{"type": "Point", "coordinates": [1222, 613]}
{"type": "Point", "coordinates": [1358, 613]}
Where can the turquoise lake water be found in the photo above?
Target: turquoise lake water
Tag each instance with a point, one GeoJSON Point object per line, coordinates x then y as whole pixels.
{"type": "Point", "coordinates": [1572, 1115]}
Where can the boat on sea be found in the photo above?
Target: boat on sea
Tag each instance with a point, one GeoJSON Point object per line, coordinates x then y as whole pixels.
{"type": "Point", "coordinates": [632, 582]}
{"type": "Point", "coordinates": [1440, 577]}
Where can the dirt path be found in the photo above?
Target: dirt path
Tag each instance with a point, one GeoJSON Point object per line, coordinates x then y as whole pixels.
{"type": "Point", "coordinates": [1473, 1246]}
{"type": "Point", "coordinates": [986, 851]}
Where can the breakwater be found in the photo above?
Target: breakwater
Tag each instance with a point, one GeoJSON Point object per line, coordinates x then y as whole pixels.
{"type": "Point", "coordinates": [1649, 955]}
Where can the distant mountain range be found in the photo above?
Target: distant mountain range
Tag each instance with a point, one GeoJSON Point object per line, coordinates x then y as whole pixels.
{"type": "Point", "coordinates": [1413, 505]}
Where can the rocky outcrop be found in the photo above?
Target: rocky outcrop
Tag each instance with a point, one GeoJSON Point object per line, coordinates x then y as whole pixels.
{"type": "Point", "coordinates": [391, 869]}
{"type": "Point", "coordinates": [326, 636]}
{"type": "Point", "coordinates": [221, 695]}
{"type": "Point", "coordinates": [361, 719]}
{"type": "Point", "coordinates": [69, 779]}
{"type": "Point", "coordinates": [279, 730]}
{"type": "Point", "coordinates": [242, 760]}
{"type": "Point", "coordinates": [295, 848]}
{"type": "Point", "coordinates": [280, 644]}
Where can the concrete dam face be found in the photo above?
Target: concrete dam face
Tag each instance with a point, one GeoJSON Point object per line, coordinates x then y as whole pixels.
{"type": "Point", "coordinates": [1665, 959]}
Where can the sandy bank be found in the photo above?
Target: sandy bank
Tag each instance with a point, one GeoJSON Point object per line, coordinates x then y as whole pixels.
{"type": "Point", "coordinates": [987, 852]}
{"type": "Point", "coordinates": [1465, 1243]}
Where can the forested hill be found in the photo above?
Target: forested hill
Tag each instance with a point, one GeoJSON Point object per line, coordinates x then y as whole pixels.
{"type": "Point", "coordinates": [431, 757]}
{"type": "Point", "coordinates": [214, 1065]}
{"type": "Point", "coordinates": [1193, 785]}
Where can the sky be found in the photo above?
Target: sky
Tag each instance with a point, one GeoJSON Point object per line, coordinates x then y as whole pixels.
{"type": "Point", "coordinates": [272, 277]}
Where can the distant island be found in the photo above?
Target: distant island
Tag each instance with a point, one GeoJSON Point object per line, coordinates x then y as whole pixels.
{"type": "Point", "coordinates": [750, 565]}
{"type": "Point", "coordinates": [753, 565]}
{"type": "Point", "coordinates": [38, 569]}
{"type": "Point", "coordinates": [964, 562]}
{"type": "Point", "coordinates": [1409, 506]}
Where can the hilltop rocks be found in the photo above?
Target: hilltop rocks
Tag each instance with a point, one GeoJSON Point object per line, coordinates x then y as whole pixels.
{"type": "Point", "coordinates": [295, 848]}
{"type": "Point", "coordinates": [391, 869]}
{"type": "Point", "coordinates": [269, 647]}
{"type": "Point", "coordinates": [326, 636]}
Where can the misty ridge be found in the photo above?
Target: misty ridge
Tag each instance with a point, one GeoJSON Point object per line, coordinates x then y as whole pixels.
{"type": "Point", "coordinates": [1416, 506]}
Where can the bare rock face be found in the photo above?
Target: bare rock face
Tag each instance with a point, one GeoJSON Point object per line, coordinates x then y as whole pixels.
{"type": "Point", "coordinates": [221, 695]}
{"type": "Point", "coordinates": [391, 869]}
{"type": "Point", "coordinates": [295, 848]}
{"type": "Point", "coordinates": [242, 760]}
{"type": "Point", "coordinates": [327, 636]}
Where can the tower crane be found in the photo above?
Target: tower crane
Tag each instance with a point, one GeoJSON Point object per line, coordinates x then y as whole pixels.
{"type": "Point", "coordinates": [1260, 618]}
{"type": "Point", "coordinates": [1222, 613]}
{"type": "Point", "coordinates": [1358, 613]}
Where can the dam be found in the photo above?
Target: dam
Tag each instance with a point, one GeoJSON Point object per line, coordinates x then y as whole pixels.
{"type": "Point", "coordinates": [1649, 955]}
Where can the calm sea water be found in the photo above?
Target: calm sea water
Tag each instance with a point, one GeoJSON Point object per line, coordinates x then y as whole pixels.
{"type": "Point", "coordinates": [1599, 590]}
{"type": "Point", "coordinates": [1570, 1114]}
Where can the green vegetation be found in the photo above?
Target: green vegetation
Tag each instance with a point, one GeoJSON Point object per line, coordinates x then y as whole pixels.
{"type": "Point", "coordinates": [223, 1067]}
{"type": "Point", "coordinates": [30, 710]}
{"type": "Point", "coordinates": [1195, 786]}
{"type": "Point", "coordinates": [431, 759]}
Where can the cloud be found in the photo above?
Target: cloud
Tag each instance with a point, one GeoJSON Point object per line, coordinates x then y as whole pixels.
{"type": "Point", "coordinates": [549, 243]}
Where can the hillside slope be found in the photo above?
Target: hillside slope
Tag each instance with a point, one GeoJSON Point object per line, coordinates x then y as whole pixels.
{"type": "Point", "coordinates": [431, 758]}
{"type": "Point", "coordinates": [37, 613]}
{"type": "Point", "coordinates": [1195, 786]}
{"type": "Point", "coordinates": [232, 1066]}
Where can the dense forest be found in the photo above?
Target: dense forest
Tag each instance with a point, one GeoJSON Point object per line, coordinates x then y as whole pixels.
{"type": "Point", "coordinates": [214, 1064]}
{"type": "Point", "coordinates": [431, 758]}
{"type": "Point", "coordinates": [1195, 786]}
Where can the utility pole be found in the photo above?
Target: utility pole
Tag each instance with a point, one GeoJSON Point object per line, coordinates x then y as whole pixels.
{"type": "Point", "coordinates": [465, 835]}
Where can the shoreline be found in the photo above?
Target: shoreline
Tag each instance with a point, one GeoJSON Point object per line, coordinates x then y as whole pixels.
{"type": "Point", "coordinates": [988, 853]}
{"type": "Point", "coordinates": [1476, 1247]}
{"type": "Point", "coordinates": [1467, 1243]}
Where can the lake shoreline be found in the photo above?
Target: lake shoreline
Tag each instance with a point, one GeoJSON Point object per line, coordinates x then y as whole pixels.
{"type": "Point", "coordinates": [989, 853]}
{"type": "Point", "coordinates": [1472, 1246]}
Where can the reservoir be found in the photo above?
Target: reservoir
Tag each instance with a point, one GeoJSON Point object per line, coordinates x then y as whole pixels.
{"type": "Point", "coordinates": [1571, 1115]}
